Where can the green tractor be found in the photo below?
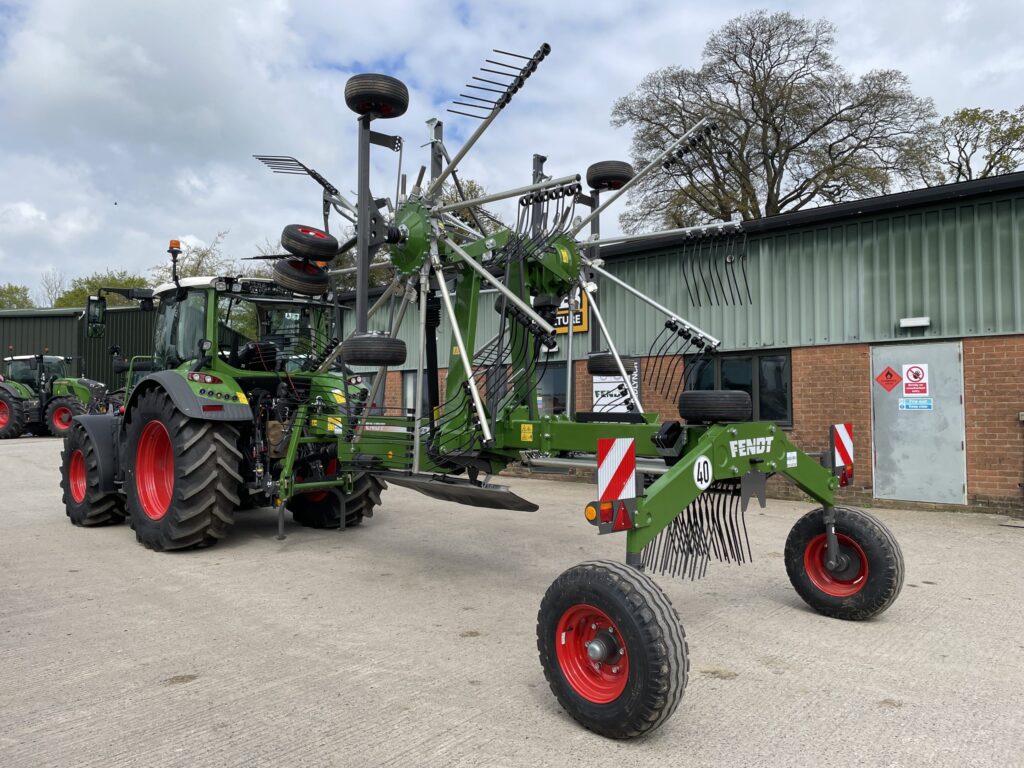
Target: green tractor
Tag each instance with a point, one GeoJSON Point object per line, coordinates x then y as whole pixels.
{"type": "Point", "coordinates": [203, 425]}
{"type": "Point", "coordinates": [37, 396]}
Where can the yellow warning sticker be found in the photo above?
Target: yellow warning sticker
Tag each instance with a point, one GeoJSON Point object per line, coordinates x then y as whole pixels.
{"type": "Point", "coordinates": [455, 351]}
{"type": "Point", "coordinates": [242, 398]}
{"type": "Point", "coordinates": [526, 433]}
{"type": "Point", "coordinates": [564, 253]}
{"type": "Point", "coordinates": [339, 397]}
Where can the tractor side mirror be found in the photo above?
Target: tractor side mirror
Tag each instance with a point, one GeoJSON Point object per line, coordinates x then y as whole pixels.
{"type": "Point", "coordinates": [147, 305]}
{"type": "Point", "coordinates": [96, 316]}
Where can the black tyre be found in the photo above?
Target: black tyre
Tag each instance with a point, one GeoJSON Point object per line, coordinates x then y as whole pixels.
{"type": "Point", "coordinates": [869, 576]}
{"type": "Point", "coordinates": [60, 412]}
{"type": "Point", "coordinates": [84, 502]}
{"type": "Point", "coordinates": [603, 364]}
{"type": "Point", "coordinates": [12, 415]}
{"type": "Point", "coordinates": [377, 95]}
{"type": "Point", "coordinates": [612, 649]}
{"type": "Point", "coordinates": [309, 242]}
{"type": "Point", "coordinates": [182, 475]}
{"type": "Point", "coordinates": [706, 406]}
{"type": "Point", "coordinates": [372, 349]}
{"type": "Point", "coordinates": [300, 276]}
{"type": "Point", "coordinates": [324, 509]}
{"type": "Point", "coordinates": [610, 174]}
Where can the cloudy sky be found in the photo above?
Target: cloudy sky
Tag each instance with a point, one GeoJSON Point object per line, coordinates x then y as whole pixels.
{"type": "Point", "coordinates": [126, 123]}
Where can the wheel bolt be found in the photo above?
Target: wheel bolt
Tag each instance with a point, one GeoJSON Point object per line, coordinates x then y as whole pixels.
{"type": "Point", "coordinates": [593, 626]}
{"type": "Point", "coordinates": [615, 669]}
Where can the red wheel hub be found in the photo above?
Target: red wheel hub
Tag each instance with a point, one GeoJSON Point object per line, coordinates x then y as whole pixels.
{"type": "Point", "coordinates": [843, 583]}
{"type": "Point", "coordinates": [62, 417]}
{"type": "Point", "coordinates": [313, 232]}
{"type": "Point", "coordinates": [154, 470]}
{"type": "Point", "coordinates": [76, 476]}
{"type": "Point", "coordinates": [5, 414]}
{"type": "Point", "coordinates": [592, 654]}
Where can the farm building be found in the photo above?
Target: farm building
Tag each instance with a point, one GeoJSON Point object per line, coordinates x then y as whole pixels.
{"type": "Point", "coordinates": [903, 314]}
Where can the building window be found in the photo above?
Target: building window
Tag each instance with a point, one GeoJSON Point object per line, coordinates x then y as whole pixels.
{"type": "Point", "coordinates": [765, 376]}
{"type": "Point", "coordinates": [551, 389]}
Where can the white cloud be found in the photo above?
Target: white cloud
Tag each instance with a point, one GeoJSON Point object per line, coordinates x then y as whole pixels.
{"type": "Point", "coordinates": [126, 124]}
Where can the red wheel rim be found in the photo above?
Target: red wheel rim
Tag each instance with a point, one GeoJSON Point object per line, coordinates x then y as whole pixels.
{"type": "Point", "coordinates": [330, 468]}
{"type": "Point", "coordinates": [836, 585]}
{"type": "Point", "coordinates": [62, 416]}
{"type": "Point", "coordinates": [597, 682]}
{"type": "Point", "coordinates": [5, 414]}
{"type": "Point", "coordinates": [304, 266]}
{"type": "Point", "coordinates": [313, 232]}
{"type": "Point", "coordinates": [154, 470]}
{"type": "Point", "coordinates": [76, 476]}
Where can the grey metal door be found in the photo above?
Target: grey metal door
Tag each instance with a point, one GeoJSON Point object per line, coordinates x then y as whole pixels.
{"type": "Point", "coordinates": [917, 407]}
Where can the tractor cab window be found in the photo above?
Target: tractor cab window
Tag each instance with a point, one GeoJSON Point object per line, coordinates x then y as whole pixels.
{"type": "Point", "coordinates": [287, 331]}
{"type": "Point", "coordinates": [55, 368]}
{"type": "Point", "coordinates": [179, 327]}
{"type": "Point", "coordinates": [21, 371]}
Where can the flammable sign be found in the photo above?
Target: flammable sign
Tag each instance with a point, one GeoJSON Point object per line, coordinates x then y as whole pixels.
{"type": "Point", "coordinates": [889, 379]}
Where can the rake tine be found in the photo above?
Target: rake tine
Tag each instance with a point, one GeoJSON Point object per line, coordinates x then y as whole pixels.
{"type": "Point", "coordinates": [515, 55]}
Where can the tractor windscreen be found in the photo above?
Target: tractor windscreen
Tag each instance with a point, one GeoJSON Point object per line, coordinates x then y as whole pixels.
{"type": "Point", "coordinates": [298, 331]}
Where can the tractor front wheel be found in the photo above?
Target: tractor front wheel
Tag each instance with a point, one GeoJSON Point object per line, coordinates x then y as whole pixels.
{"type": "Point", "coordinates": [12, 416]}
{"type": "Point", "coordinates": [60, 413]}
{"type": "Point", "coordinates": [324, 509]}
{"type": "Point", "coordinates": [182, 475]}
{"type": "Point", "coordinates": [84, 502]}
{"type": "Point", "coordinates": [612, 649]}
{"type": "Point", "coordinates": [868, 575]}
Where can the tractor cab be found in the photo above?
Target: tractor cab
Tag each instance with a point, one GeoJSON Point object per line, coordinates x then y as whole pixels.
{"type": "Point", "coordinates": [34, 371]}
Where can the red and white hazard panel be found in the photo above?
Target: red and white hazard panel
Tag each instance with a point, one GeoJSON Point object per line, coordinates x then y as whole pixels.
{"type": "Point", "coordinates": [616, 485]}
{"type": "Point", "coordinates": [616, 468]}
{"type": "Point", "coordinates": [842, 452]}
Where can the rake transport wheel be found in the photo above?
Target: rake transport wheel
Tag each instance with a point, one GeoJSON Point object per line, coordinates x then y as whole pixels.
{"type": "Point", "coordinates": [609, 174]}
{"type": "Point", "coordinates": [12, 416]}
{"type": "Point", "coordinates": [323, 509]}
{"type": "Point", "coordinates": [84, 502]}
{"type": "Point", "coordinates": [377, 95]}
{"type": "Point", "coordinates": [612, 649]}
{"type": "Point", "coordinates": [300, 276]}
{"type": "Point", "coordinates": [182, 475]}
{"type": "Point", "coordinates": [706, 406]}
{"type": "Point", "coordinates": [59, 414]}
{"type": "Point", "coordinates": [603, 364]}
{"type": "Point", "coordinates": [309, 242]}
{"type": "Point", "coordinates": [869, 576]}
{"type": "Point", "coordinates": [372, 348]}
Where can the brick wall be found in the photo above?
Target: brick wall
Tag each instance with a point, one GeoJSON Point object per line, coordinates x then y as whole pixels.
{"type": "Point", "coordinates": [993, 398]}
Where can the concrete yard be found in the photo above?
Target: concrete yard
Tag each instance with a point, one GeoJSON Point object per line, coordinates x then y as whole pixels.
{"type": "Point", "coordinates": [411, 641]}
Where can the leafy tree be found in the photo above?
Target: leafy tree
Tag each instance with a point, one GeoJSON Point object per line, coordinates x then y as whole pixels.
{"type": "Point", "coordinates": [794, 128]}
{"type": "Point", "coordinates": [14, 296]}
{"type": "Point", "coordinates": [974, 143]}
{"type": "Point", "coordinates": [81, 288]}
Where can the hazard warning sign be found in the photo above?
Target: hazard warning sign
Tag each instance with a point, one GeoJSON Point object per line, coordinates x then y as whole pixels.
{"type": "Point", "coordinates": [915, 380]}
{"type": "Point", "coordinates": [889, 379]}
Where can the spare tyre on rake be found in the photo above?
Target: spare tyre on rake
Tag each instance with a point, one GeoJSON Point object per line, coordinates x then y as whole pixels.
{"type": "Point", "coordinates": [706, 406]}
{"type": "Point", "coordinates": [309, 243]}
{"type": "Point", "coordinates": [374, 348]}
{"type": "Point", "coordinates": [301, 276]}
{"type": "Point", "coordinates": [376, 95]}
{"type": "Point", "coordinates": [609, 174]}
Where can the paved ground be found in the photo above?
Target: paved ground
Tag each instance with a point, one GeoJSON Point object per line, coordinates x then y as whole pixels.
{"type": "Point", "coordinates": [410, 641]}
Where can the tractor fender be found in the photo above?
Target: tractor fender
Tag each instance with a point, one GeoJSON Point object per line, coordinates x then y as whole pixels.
{"type": "Point", "coordinates": [101, 429]}
{"type": "Point", "coordinates": [187, 401]}
{"type": "Point", "coordinates": [15, 390]}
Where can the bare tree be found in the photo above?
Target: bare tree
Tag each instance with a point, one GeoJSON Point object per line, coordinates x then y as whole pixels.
{"type": "Point", "coordinates": [199, 260]}
{"type": "Point", "coordinates": [794, 128]}
{"type": "Point", "coordinates": [52, 285]}
{"type": "Point", "coordinates": [974, 143]}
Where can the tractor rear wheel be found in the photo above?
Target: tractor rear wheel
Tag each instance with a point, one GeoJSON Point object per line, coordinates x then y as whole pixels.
{"type": "Point", "coordinates": [60, 412]}
{"type": "Point", "coordinates": [84, 502]}
{"type": "Point", "coordinates": [12, 416]}
{"type": "Point", "coordinates": [612, 649]}
{"type": "Point", "coordinates": [868, 577]}
{"type": "Point", "coordinates": [182, 475]}
{"type": "Point", "coordinates": [324, 509]}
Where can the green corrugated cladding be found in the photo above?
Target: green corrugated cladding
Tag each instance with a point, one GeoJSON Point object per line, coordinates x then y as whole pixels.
{"type": "Point", "coordinates": [960, 263]}
{"type": "Point", "coordinates": [63, 332]}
